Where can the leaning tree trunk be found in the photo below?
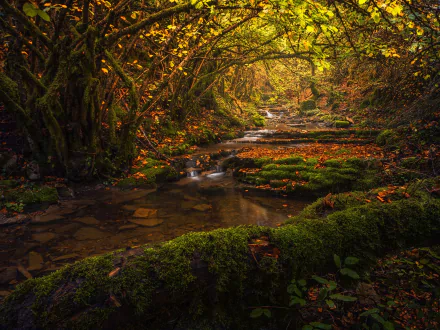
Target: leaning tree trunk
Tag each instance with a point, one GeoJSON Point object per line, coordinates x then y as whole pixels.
{"type": "Point", "coordinates": [211, 279]}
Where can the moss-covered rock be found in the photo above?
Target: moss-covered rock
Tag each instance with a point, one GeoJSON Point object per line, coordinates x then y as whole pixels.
{"type": "Point", "coordinates": [342, 123]}
{"type": "Point", "coordinates": [151, 172]}
{"type": "Point", "coordinates": [31, 195]}
{"type": "Point", "coordinates": [387, 137]}
{"type": "Point", "coordinates": [305, 178]}
{"type": "Point", "coordinates": [209, 280]}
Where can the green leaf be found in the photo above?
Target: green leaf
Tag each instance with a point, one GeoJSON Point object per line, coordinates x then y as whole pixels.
{"type": "Point", "coordinates": [302, 282]}
{"type": "Point", "coordinates": [370, 311]}
{"type": "Point", "coordinates": [257, 312]}
{"type": "Point", "coordinates": [267, 312]}
{"type": "Point", "coordinates": [337, 260]}
{"type": "Point", "coordinates": [297, 300]}
{"type": "Point", "coordinates": [307, 327]}
{"type": "Point", "coordinates": [332, 285]}
{"type": "Point", "coordinates": [43, 15]}
{"type": "Point", "coordinates": [388, 326]}
{"type": "Point", "coordinates": [351, 261]}
{"type": "Point", "coordinates": [378, 318]}
{"type": "Point", "coordinates": [30, 10]}
{"type": "Point", "coordinates": [320, 279]}
{"type": "Point", "coordinates": [341, 297]}
{"type": "Point", "coordinates": [292, 288]}
{"type": "Point", "coordinates": [322, 294]}
{"type": "Point", "coordinates": [321, 325]}
{"type": "Point", "coordinates": [350, 273]}
{"type": "Point", "coordinates": [330, 303]}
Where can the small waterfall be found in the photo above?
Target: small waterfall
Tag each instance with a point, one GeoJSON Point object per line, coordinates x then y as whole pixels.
{"type": "Point", "coordinates": [192, 174]}
{"type": "Point", "coordinates": [268, 114]}
{"type": "Point", "coordinates": [218, 169]}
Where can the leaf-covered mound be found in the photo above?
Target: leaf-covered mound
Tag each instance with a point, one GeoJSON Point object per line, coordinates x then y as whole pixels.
{"type": "Point", "coordinates": [210, 280]}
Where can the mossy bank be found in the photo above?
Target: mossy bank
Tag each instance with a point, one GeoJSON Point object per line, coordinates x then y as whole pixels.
{"type": "Point", "coordinates": [209, 280]}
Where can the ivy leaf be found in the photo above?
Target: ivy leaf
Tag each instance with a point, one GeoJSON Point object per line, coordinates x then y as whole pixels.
{"type": "Point", "coordinates": [370, 311]}
{"type": "Point", "coordinates": [320, 279]}
{"type": "Point", "coordinates": [302, 282]}
{"type": "Point", "coordinates": [341, 297]}
{"type": "Point", "coordinates": [351, 261]}
{"type": "Point", "coordinates": [337, 260]}
{"type": "Point", "coordinates": [330, 303]}
{"type": "Point", "coordinates": [297, 300]}
{"type": "Point", "coordinates": [43, 15]}
{"type": "Point", "coordinates": [322, 294]}
{"type": "Point", "coordinates": [350, 273]}
{"type": "Point", "coordinates": [30, 10]}
{"type": "Point", "coordinates": [267, 312]}
{"type": "Point", "coordinates": [257, 312]}
{"type": "Point", "coordinates": [321, 326]}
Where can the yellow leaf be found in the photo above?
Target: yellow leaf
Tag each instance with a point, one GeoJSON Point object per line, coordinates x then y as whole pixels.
{"type": "Point", "coordinates": [104, 70]}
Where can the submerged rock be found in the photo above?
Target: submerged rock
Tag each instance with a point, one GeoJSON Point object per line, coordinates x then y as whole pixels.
{"type": "Point", "coordinates": [202, 207]}
{"type": "Point", "coordinates": [43, 237]}
{"type": "Point", "coordinates": [144, 213]}
{"type": "Point", "coordinates": [7, 275]}
{"type": "Point", "coordinates": [128, 227]}
{"type": "Point", "coordinates": [66, 257]}
{"type": "Point", "coordinates": [87, 220]}
{"type": "Point", "coordinates": [89, 233]}
{"type": "Point", "coordinates": [147, 222]}
{"type": "Point", "coordinates": [36, 261]}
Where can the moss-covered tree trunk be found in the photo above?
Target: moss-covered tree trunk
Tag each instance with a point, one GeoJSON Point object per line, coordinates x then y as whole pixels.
{"type": "Point", "coordinates": [209, 280]}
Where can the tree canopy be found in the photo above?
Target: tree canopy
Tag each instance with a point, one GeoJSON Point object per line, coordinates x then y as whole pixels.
{"type": "Point", "coordinates": [84, 78]}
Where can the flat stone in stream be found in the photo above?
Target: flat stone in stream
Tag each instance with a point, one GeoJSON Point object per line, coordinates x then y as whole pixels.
{"type": "Point", "coordinates": [35, 261]}
{"type": "Point", "coordinates": [8, 274]}
{"type": "Point", "coordinates": [66, 257]}
{"type": "Point", "coordinates": [120, 197]}
{"type": "Point", "coordinates": [147, 222]}
{"type": "Point", "coordinates": [89, 233]}
{"type": "Point", "coordinates": [126, 227]}
{"type": "Point", "coordinates": [43, 237]}
{"type": "Point", "coordinates": [202, 207]}
{"type": "Point", "coordinates": [20, 218]}
{"type": "Point", "coordinates": [144, 213]}
{"type": "Point", "coordinates": [69, 228]}
{"type": "Point", "coordinates": [87, 221]}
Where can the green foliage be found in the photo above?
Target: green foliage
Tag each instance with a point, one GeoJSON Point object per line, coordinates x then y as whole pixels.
{"type": "Point", "coordinates": [31, 195]}
{"type": "Point", "coordinates": [307, 105]}
{"type": "Point", "coordinates": [387, 138]}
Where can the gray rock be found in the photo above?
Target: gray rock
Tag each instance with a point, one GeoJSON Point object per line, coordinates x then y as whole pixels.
{"type": "Point", "coordinates": [20, 218]}
{"type": "Point", "coordinates": [33, 171]}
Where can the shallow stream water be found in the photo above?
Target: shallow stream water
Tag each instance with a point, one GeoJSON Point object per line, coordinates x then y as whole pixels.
{"type": "Point", "coordinates": [99, 221]}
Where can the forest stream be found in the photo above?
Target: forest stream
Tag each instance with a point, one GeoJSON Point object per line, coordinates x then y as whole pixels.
{"type": "Point", "coordinates": [99, 221]}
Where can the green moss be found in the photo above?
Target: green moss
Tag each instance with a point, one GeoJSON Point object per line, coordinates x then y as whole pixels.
{"type": "Point", "coordinates": [307, 105]}
{"type": "Point", "coordinates": [39, 194]}
{"type": "Point", "coordinates": [152, 172]}
{"type": "Point", "coordinates": [336, 175]}
{"type": "Point", "coordinates": [213, 277]}
{"type": "Point", "coordinates": [387, 137]}
{"type": "Point", "coordinates": [342, 124]}
{"type": "Point", "coordinates": [258, 120]}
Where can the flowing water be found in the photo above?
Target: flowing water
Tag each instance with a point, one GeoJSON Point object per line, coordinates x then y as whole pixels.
{"type": "Point", "coordinates": [99, 221]}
